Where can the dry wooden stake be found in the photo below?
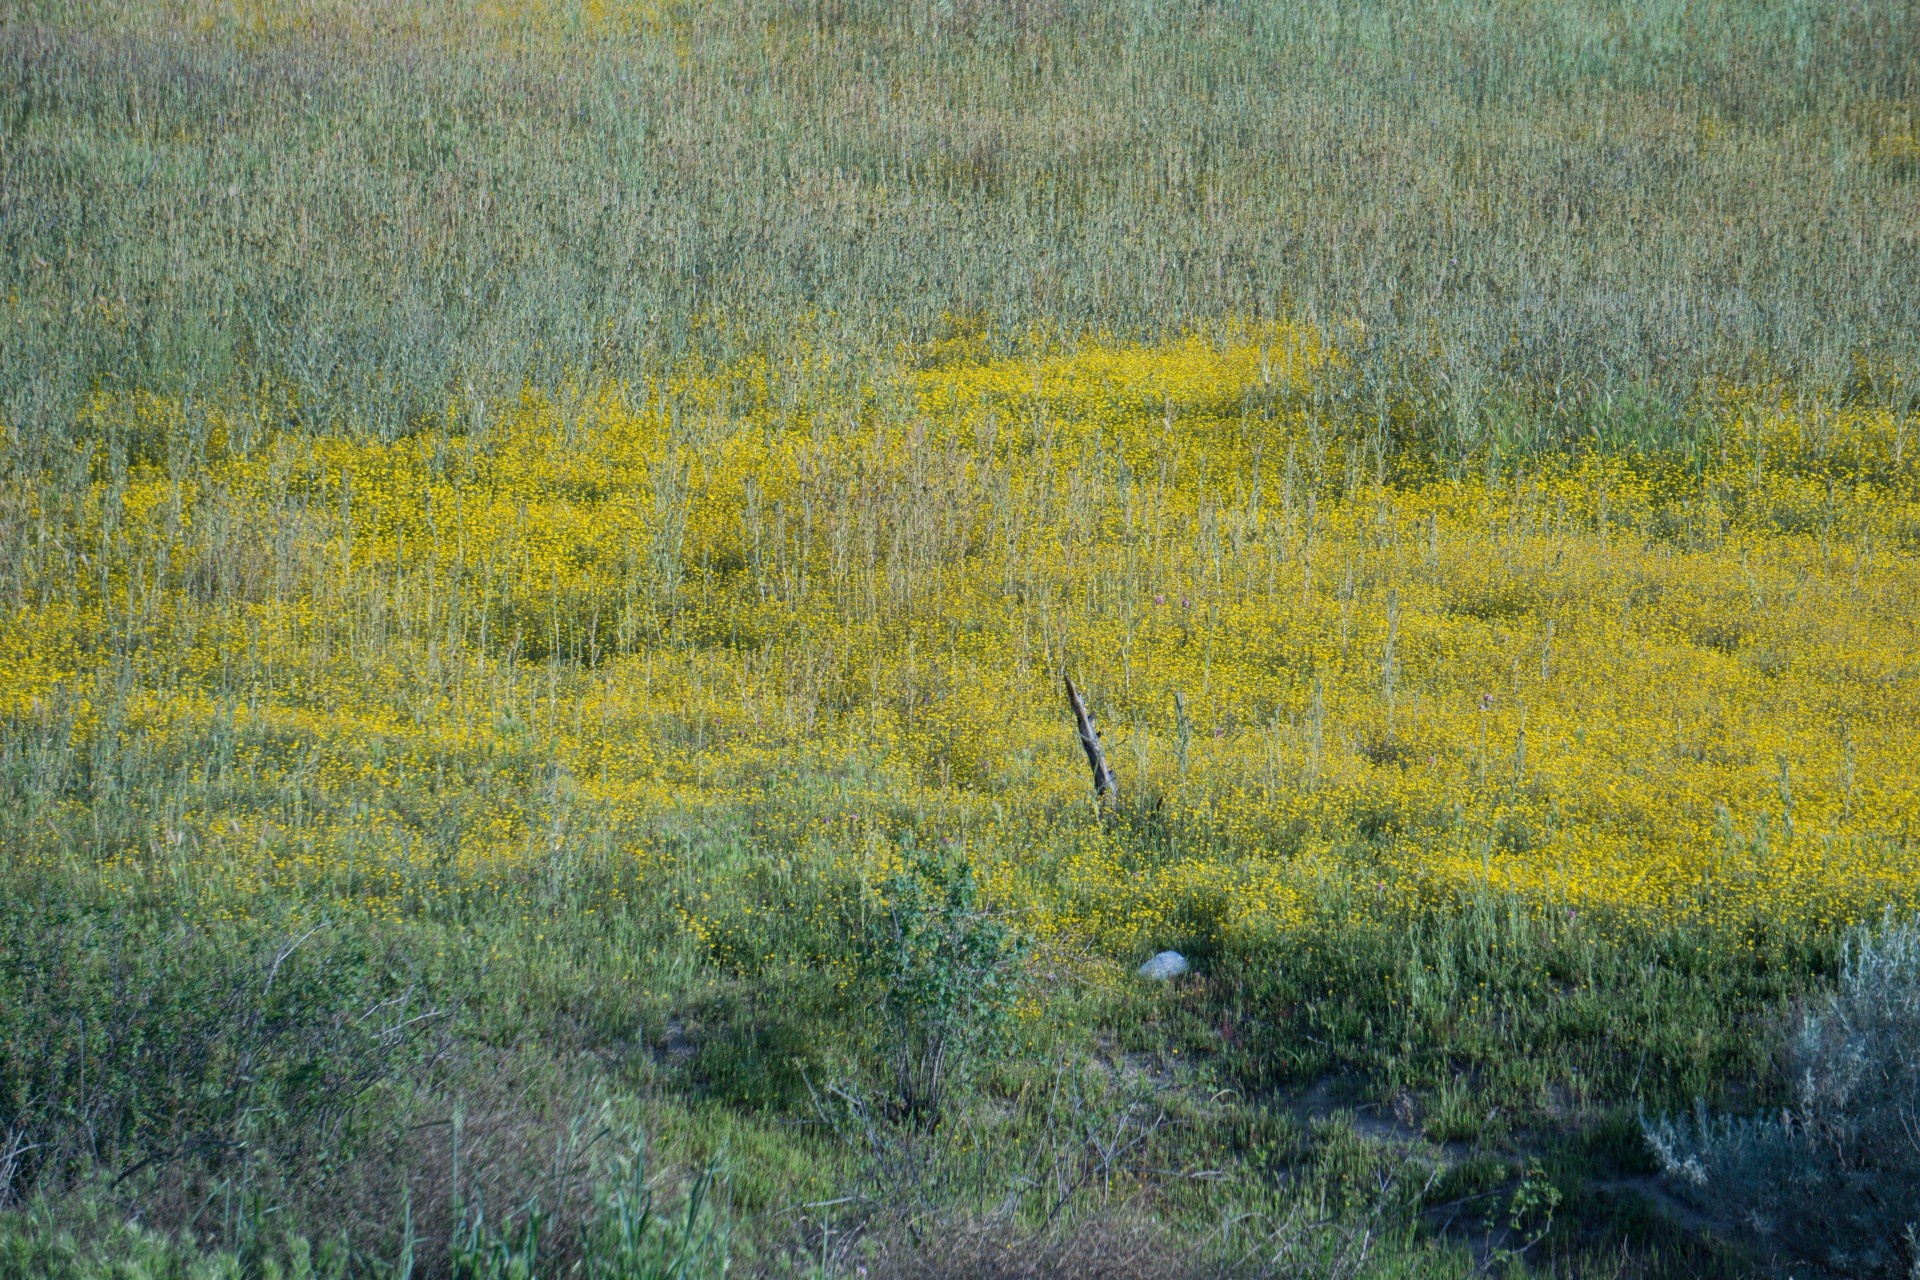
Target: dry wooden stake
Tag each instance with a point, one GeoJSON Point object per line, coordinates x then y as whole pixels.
{"type": "Point", "coordinates": [1104, 783]}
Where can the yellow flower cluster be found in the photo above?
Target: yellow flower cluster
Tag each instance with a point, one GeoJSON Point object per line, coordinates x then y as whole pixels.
{"type": "Point", "coordinates": [1655, 689]}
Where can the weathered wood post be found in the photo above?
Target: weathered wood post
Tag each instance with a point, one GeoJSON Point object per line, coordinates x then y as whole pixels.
{"type": "Point", "coordinates": [1104, 783]}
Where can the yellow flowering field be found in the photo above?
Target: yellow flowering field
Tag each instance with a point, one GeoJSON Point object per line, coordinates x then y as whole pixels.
{"type": "Point", "coordinates": [1657, 689]}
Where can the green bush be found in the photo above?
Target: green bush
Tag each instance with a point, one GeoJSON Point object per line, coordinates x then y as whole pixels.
{"type": "Point", "coordinates": [128, 1046]}
{"type": "Point", "coordinates": [950, 971]}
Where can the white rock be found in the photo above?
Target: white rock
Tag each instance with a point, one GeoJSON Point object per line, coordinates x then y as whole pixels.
{"type": "Point", "coordinates": [1168, 964]}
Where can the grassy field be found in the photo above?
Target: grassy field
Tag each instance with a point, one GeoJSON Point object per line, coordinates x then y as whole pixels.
{"type": "Point", "coordinates": [542, 542]}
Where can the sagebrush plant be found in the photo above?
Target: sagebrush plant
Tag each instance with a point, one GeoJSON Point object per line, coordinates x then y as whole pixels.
{"type": "Point", "coordinates": [950, 969]}
{"type": "Point", "coordinates": [1834, 1177]}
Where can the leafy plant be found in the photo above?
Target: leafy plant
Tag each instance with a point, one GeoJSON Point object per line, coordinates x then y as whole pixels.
{"type": "Point", "coordinates": [85, 1238]}
{"type": "Point", "coordinates": [139, 1049]}
{"type": "Point", "coordinates": [950, 970]}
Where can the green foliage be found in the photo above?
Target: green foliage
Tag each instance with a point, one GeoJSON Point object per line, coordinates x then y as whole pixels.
{"type": "Point", "coordinates": [950, 970]}
{"type": "Point", "coordinates": [629, 1239]}
{"type": "Point", "coordinates": [1834, 1178]}
{"type": "Point", "coordinates": [637, 1242]}
{"type": "Point", "coordinates": [756, 1052]}
{"type": "Point", "coordinates": [505, 1250]}
{"type": "Point", "coordinates": [89, 1243]}
{"type": "Point", "coordinates": [1527, 228]}
{"type": "Point", "coordinates": [137, 1046]}
{"type": "Point", "coordinates": [1606, 1009]}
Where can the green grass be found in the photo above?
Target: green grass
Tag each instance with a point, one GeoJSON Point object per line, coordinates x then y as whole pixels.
{"type": "Point", "coordinates": [1525, 225]}
{"type": "Point", "coordinates": [257, 1096]}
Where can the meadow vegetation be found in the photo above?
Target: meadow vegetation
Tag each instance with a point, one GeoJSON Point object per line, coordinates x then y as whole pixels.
{"type": "Point", "coordinates": [541, 543]}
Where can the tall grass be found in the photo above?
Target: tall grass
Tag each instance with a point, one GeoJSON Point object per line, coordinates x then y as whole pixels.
{"type": "Point", "coordinates": [528, 514]}
{"type": "Point", "coordinates": [1512, 214]}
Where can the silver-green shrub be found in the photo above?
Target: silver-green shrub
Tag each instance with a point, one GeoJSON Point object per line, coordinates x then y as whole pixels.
{"type": "Point", "coordinates": [1834, 1177]}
